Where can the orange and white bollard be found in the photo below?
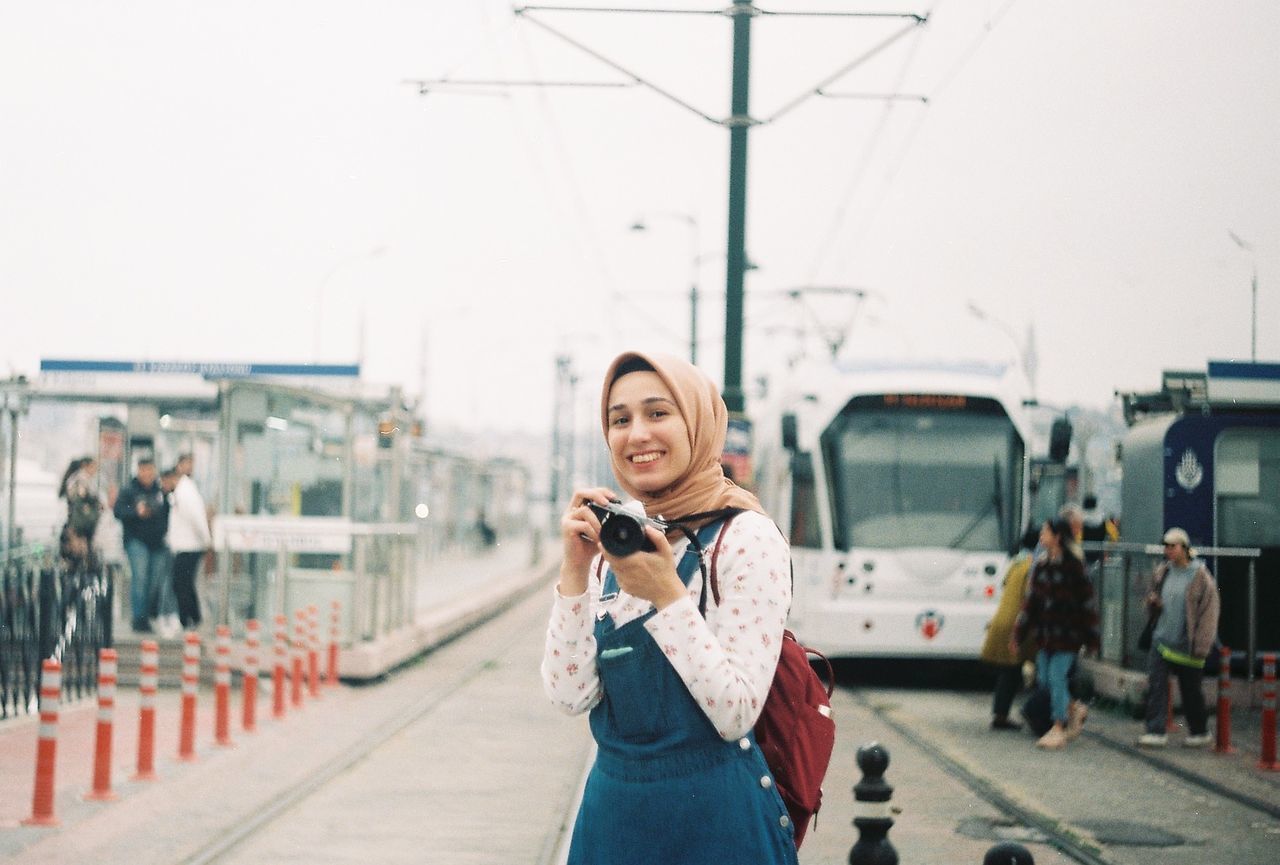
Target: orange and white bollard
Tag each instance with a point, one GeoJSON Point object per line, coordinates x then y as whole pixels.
{"type": "Point", "coordinates": [278, 672]}
{"type": "Point", "coordinates": [313, 650]}
{"type": "Point", "coordinates": [148, 680]}
{"type": "Point", "coordinates": [249, 676]}
{"type": "Point", "coordinates": [222, 687]}
{"type": "Point", "coordinates": [47, 747]}
{"type": "Point", "coordinates": [1268, 759]}
{"type": "Point", "coordinates": [1223, 744]}
{"type": "Point", "coordinates": [335, 621]}
{"type": "Point", "coordinates": [107, 673]}
{"type": "Point", "coordinates": [190, 689]}
{"type": "Point", "coordinates": [299, 646]}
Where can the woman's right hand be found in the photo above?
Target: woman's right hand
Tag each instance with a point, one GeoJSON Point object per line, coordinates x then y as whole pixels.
{"type": "Point", "coordinates": [580, 533]}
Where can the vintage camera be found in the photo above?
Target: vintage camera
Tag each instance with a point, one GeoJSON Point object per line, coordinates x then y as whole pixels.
{"type": "Point", "coordinates": [622, 527]}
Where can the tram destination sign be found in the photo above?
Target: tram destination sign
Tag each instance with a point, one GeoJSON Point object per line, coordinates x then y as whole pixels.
{"type": "Point", "coordinates": [205, 369]}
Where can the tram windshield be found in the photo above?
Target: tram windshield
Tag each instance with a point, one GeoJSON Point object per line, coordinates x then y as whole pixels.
{"type": "Point", "coordinates": [915, 475]}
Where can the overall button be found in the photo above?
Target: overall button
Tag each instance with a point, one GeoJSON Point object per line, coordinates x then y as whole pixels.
{"type": "Point", "coordinates": [744, 743]}
{"type": "Point", "coordinates": [784, 821]}
{"type": "Point", "coordinates": [766, 782]}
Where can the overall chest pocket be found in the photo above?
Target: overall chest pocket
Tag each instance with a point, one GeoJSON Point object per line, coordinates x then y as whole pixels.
{"type": "Point", "coordinates": [632, 672]}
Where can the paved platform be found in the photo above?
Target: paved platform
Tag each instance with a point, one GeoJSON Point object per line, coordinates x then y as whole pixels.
{"type": "Point", "coordinates": [458, 593]}
{"type": "Point", "coordinates": [473, 765]}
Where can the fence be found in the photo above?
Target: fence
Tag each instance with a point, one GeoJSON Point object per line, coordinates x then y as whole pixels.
{"type": "Point", "coordinates": [50, 611]}
{"type": "Point", "coordinates": [1124, 579]}
{"type": "Point", "coordinates": [269, 565]}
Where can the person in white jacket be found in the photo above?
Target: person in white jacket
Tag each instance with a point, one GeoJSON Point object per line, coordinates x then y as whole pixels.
{"type": "Point", "coordinates": [189, 539]}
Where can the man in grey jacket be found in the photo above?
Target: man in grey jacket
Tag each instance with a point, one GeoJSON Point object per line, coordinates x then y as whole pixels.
{"type": "Point", "coordinates": [1184, 596]}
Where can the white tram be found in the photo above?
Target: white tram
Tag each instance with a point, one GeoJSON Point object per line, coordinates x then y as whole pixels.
{"type": "Point", "coordinates": [903, 489]}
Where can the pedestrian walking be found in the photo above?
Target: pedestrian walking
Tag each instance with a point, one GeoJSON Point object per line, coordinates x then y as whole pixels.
{"type": "Point", "coordinates": [189, 539]}
{"type": "Point", "coordinates": [143, 512]}
{"type": "Point", "coordinates": [673, 691]}
{"type": "Point", "coordinates": [1059, 614]}
{"type": "Point", "coordinates": [79, 488]}
{"type": "Point", "coordinates": [1184, 601]}
{"type": "Point", "coordinates": [996, 650]}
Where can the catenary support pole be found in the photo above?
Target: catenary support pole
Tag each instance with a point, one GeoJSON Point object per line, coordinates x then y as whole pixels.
{"type": "Point", "coordinates": [736, 252]}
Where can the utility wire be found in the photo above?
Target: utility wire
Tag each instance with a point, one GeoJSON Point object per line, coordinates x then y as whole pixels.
{"type": "Point", "coordinates": [864, 165]}
{"type": "Point", "coordinates": [586, 232]}
{"type": "Point", "coordinates": [616, 66]}
{"type": "Point", "coordinates": [909, 140]}
{"type": "Point", "coordinates": [846, 69]}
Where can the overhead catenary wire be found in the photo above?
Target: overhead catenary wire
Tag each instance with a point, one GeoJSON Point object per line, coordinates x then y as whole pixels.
{"type": "Point", "coordinates": [902, 153]}
{"type": "Point", "coordinates": [586, 234]}
{"type": "Point", "coordinates": [864, 163]}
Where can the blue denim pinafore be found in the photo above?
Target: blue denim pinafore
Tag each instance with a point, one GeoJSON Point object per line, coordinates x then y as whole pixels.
{"type": "Point", "coordinates": [665, 788]}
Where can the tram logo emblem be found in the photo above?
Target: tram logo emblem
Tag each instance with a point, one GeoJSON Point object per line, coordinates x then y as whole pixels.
{"type": "Point", "coordinates": [1189, 473]}
{"type": "Point", "coordinates": [929, 623]}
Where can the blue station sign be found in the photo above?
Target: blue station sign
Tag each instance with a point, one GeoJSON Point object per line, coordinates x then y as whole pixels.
{"type": "Point", "coordinates": [208, 370]}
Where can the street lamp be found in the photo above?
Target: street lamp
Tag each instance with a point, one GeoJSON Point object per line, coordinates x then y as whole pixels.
{"type": "Point", "coordinates": [372, 253]}
{"type": "Point", "coordinates": [695, 259]}
{"type": "Point", "coordinates": [1253, 344]}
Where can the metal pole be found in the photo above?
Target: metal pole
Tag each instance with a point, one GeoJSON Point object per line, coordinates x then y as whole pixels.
{"type": "Point", "coordinates": [10, 525]}
{"type": "Point", "coordinates": [348, 462]}
{"type": "Point", "coordinates": [695, 261]}
{"type": "Point", "coordinates": [693, 323]}
{"type": "Point", "coordinates": [1254, 342]}
{"type": "Point", "coordinates": [1253, 622]}
{"type": "Point", "coordinates": [739, 124]}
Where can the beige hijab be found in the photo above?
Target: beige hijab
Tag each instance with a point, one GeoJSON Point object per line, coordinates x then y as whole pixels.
{"type": "Point", "coordinates": [703, 487]}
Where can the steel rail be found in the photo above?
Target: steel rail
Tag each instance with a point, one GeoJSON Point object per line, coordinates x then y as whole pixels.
{"type": "Point", "coordinates": [1068, 842]}
{"type": "Point", "coordinates": [1253, 803]}
{"type": "Point", "coordinates": [254, 823]}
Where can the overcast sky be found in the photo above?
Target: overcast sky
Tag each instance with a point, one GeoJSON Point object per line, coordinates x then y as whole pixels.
{"type": "Point", "coordinates": [250, 181]}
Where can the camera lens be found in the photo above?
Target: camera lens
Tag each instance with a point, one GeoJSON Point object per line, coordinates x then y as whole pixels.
{"type": "Point", "coordinates": [621, 534]}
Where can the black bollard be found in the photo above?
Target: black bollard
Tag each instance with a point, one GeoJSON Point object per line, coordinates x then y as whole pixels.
{"type": "Point", "coordinates": [1008, 853]}
{"type": "Point", "coordinates": [871, 811]}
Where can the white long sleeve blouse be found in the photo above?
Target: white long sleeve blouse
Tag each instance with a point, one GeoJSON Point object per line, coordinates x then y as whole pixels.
{"type": "Point", "coordinates": [727, 660]}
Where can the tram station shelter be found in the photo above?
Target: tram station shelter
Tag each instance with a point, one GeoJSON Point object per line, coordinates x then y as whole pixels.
{"type": "Point", "coordinates": [306, 447]}
{"type": "Point", "coordinates": [1203, 454]}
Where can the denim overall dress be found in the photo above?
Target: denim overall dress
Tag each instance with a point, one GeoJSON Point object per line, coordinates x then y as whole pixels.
{"type": "Point", "coordinates": [665, 788]}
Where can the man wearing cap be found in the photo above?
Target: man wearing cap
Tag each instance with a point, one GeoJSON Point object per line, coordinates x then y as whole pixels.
{"type": "Point", "coordinates": [1184, 596]}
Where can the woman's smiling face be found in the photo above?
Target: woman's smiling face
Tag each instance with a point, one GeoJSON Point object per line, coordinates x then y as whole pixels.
{"type": "Point", "coordinates": [648, 437]}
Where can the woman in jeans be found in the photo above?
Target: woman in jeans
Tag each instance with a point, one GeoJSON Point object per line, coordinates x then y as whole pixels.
{"type": "Point", "coordinates": [1060, 616]}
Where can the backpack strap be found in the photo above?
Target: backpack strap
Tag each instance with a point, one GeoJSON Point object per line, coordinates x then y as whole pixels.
{"type": "Point", "coordinates": [715, 555]}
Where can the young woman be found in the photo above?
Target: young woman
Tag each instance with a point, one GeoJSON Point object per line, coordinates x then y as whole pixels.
{"type": "Point", "coordinates": [1060, 616]}
{"type": "Point", "coordinates": [673, 696]}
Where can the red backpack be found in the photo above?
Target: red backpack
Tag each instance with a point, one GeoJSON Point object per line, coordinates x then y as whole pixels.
{"type": "Point", "coordinates": [795, 730]}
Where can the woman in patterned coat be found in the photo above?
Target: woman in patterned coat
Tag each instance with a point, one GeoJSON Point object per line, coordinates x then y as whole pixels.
{"type": "Point", "coordinates": [1060, 616]}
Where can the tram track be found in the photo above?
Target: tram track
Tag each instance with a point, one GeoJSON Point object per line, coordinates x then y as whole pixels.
{"type": "Point", "coordinates": [501, 638]}
{"type": "Point", "coordinates": [1091, 806]}
{"type": "Point", "coordinates": [1069, 842]}
{"type": "Point", "coordinates": [1270, 809]}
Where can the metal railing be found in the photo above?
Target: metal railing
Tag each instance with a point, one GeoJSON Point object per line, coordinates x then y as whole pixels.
{"type": "Point", "coordinates": [50, 611]}
{"type": "Point", "coordinates": [1123, 579]}
{"type": "Point", "coordinates": [269, 566]}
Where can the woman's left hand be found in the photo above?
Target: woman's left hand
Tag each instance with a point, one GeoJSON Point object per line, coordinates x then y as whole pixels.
{"type": "Point", "coordinates": [649, 575]}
